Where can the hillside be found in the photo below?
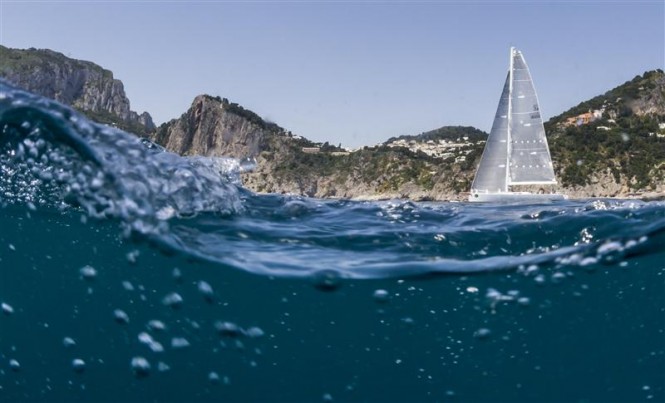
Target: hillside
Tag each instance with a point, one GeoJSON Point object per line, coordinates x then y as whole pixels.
{"type": "Point", "coordinates": [83, 85]}
{"type": "Point", "coordinates": [287, 163]}
{"type": "Point", "coordinates": [613, 144]}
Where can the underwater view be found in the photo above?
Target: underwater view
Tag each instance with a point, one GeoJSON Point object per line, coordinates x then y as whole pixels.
{"type": "Point", "coordinates": [129, 273]}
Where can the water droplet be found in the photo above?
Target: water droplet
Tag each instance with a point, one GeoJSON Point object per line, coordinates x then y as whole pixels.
{"type": "Point", "coordinates": [327, 280]}
{"type": "Point", "coordinates": [78, 365]}
{"type": "Point", "coordinates": [227, 329]}
{"type": "Point", "coordinates": [68, 342]}
{"type": "Point", "coordinates": [120, 316]}
{"type": "Point", "coordinates": [177, 274]}
{"type": "Point", "coordinates": [381, 296]}
{"type": "Point", "coordinates": [162, 367]}
{"type": "Point", "coordinates": [327, 397]}
{"type": "Point", "coordinates": [524, 301]}
{"type": "Point", "coordinates": [472, 290]}
{"type": "Point", "coordinates": [482, 333]}
{"type": "Point", "coordinates": [140, 367]}
{"type": "Point", "coordinates": [7, 309]}
{"type": "Point", "coordinates": [206, 290]}
{"type": "Point", "coordinates": [88, 272]}
{"type": "Point", "coordinates": [174, 300]}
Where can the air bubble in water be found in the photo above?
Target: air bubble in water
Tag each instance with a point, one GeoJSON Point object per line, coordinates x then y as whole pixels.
{"type": "Point", "coordinates": [206, 290]}
{"type": "Point", "coordinates": [133, 256]}
{"type": "Point", "coordinates": [558, 277]}
{"type": "Point", "coordinates": [381, 296]}
{"type": "Point", "coordinates": [227, 329]}
{"type": "Point", "coordinates": [482, 333]}
{"type": "Point", "coordinates": [156, 325]}
{"type": "Point", "coordinates": [327, 280]}
{"type": "Point", "coordinates": [88, 272]}
{"type": "Point", "coordinates": [140, 367]}
{"type": "Point", "coordinates": [524, 301]}
{"type": "Point", "coordinates": [254, 332]}
{"type": "Point", "coordinates": [68, 342]}
{"type": "Point", "coordinates": [78, 365]}
{"type": "Point", "coordinates": [213, 377]}
{"type": "Point", "coordinates": [179, 342]}
{"type": "Point", "coordinates": [173, 300]}
{"type": "Point", "coordinates": [14, 365]}
{"type": "Point", "coordinates": [7, 309]}
{"type": "Point", "coordinates": [120, 316]}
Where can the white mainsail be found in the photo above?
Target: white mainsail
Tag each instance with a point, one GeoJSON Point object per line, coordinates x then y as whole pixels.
{"type": "Point", "coordinates": [516, 152]}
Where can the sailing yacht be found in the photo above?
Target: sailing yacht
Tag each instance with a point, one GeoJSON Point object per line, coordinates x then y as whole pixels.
{"type": "Point", "coordinates": [516, 152]}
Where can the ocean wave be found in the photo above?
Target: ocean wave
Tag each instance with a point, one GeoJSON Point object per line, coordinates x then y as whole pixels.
{"type": "Point", "coordinates": [53, 157]}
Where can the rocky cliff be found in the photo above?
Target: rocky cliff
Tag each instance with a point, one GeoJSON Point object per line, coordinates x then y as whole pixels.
{"type": "Point", "coordinates": [81, 84]}
{"type": "Point", "coordinates": [214, 126]}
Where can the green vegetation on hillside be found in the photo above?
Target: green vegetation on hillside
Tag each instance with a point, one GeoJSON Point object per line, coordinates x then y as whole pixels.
{"type": "Point", "coordinates": [625, 93]}
{"type": "Point", "coordinates": [629, 145]}
{"type": "Point", "coordinates": [445, 133]}
{"type": "Point", "coordinates": [636, 152]}
{"type": "Point", "coordinates": [18, 60]}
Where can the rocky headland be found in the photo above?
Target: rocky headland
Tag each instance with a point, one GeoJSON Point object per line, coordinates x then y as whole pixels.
{"type": "Point", "coordinates": [83, 85]}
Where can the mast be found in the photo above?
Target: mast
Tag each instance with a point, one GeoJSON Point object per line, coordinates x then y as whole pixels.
{"type": "Point", "coordinates": [510, 111]}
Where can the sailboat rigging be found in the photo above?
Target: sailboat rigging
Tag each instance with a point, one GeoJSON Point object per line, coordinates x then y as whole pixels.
{"type": "Point", "coordinates": [516, 152]}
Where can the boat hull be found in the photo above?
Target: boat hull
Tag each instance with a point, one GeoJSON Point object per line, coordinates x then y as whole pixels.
{"type": "Point", "coordinates": [515, 197]}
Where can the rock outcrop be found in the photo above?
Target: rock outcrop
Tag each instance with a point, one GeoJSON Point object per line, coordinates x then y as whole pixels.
{"type": "Point", "coordinates": [213, 126]}
{"type": "Point", "coordinates": [81, 84]}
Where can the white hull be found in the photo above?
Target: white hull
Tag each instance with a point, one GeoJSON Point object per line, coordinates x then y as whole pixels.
{"type": "Point", "coordinates": [515, 197]}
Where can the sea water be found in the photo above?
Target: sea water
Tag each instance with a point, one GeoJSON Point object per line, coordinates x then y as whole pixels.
{"type": "Point", "coordinates": [128, 273]}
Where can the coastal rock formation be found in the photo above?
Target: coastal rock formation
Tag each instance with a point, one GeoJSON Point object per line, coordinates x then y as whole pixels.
{"type": "Point", "coordinates": [215, 127]}
{"type": "Point", "coordinates": [81, 84]}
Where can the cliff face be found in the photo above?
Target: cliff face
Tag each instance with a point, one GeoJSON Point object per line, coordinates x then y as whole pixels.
{"type": "Point", "coordinates": [83, 85]}
{"type": "Point", "coordinates": [213, 127]}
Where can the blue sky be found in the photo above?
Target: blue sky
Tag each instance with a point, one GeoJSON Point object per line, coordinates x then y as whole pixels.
{"type": "Point", "coordinates": [348, 72]}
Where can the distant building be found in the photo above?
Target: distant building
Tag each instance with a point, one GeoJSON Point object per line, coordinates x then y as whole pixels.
{"type": "Point", "coordinates": [311, 150]}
